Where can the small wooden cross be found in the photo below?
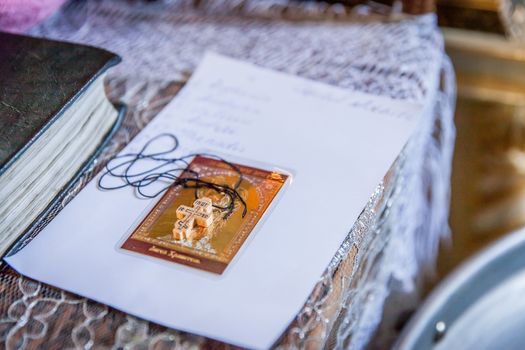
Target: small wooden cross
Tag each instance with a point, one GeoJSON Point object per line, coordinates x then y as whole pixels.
{"type": "Point", "coordinates": [201, 214]}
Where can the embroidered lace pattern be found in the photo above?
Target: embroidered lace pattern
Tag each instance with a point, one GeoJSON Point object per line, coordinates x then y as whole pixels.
{"type": "Point", "coordinates": [368, 49]}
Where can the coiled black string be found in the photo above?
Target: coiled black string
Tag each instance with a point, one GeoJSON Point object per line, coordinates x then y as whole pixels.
{"type": "Point", "coordinates": [173, 170]}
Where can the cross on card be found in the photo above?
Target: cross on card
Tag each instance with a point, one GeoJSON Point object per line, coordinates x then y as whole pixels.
{"type": "Point", "coordinates": [191, 232]}
{"type": "Point", "coordinates": [201, 214]}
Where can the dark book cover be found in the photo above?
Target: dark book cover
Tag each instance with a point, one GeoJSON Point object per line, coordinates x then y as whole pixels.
{"type": "Point", "coordinates": [39, 80]}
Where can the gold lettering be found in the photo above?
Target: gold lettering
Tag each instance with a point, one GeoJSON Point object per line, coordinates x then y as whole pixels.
{"type": "Point", "coordinates": [175, 255]}
{"type": "Point", "coordinates": [157, 250]}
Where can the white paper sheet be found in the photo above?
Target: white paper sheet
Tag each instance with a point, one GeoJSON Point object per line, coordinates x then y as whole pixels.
{"type": "Point", "coordinates": [338, 143]}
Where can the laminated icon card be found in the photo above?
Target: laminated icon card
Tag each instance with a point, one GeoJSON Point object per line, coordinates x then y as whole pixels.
{"type": "Point", "coordinates": [223, 212]}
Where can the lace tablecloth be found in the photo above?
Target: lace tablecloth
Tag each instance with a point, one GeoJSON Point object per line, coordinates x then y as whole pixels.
{"type": "Point", "coordinates": [367, 49]}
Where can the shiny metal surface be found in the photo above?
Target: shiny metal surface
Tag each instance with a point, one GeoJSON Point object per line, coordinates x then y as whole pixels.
{"type": "Point", "coordinates": [498, 270]}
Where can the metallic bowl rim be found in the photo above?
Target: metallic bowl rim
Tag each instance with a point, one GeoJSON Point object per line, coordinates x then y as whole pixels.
{"type": "Point", "coordinates": [462, 288]}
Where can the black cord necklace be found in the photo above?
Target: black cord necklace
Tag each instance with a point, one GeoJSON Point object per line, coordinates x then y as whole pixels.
{"type": "Point", "coordinates": [173, 170]}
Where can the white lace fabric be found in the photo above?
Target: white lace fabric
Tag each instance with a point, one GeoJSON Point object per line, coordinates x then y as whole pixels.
{"type": "Point", "coordinates": [396, 236]}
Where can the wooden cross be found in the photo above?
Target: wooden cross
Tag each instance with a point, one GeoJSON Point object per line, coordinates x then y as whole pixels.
{"type": "Point", "coordinates": [201, 214]}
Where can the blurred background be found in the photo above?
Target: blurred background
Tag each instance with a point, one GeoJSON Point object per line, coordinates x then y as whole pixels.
{"type": "Point", "coordinates": [484, 39]}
